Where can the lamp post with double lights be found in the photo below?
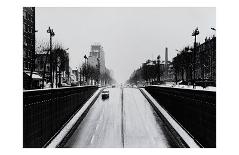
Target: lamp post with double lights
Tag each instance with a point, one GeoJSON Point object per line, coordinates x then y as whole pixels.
{"type": "Point", "coordinates": [195, 33]}
{"type": "Point", "coordinates": [52, 33]}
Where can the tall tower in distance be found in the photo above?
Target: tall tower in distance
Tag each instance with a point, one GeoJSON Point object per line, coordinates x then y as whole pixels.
{"type": "Point", "coordinates": [97, 52]}
{"type": "Point", "coordinates": [166, 62]}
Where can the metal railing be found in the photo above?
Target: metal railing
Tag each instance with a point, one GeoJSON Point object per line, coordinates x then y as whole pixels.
{"type": "Point", "coordinates": [46, 111]}
{"type": "Point", "coordinates": [194, 109]}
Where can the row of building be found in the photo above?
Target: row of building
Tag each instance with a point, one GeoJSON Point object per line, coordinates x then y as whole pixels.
{"type": "Point", "coordinates": [94, 71]}
{"type": "Point", "coordinates": [198, 64]}
{"type": "Point", "coordinates": [29, 49]}
{"type": "Point", "coordinates": [157, 70]}
{"type": "Point", "coordinates": [36, 63]}
{"type": "Point", "coordinates": [190, 65]}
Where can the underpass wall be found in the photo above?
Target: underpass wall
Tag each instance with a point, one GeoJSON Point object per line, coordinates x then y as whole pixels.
{"type": "Point", "coordinates": [46, 111]}
{"type": "Point", "coordinates": [195, 110]}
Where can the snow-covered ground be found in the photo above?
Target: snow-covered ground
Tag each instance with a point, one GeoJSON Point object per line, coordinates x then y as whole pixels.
{"type": "Point", "coordinates": [173, 85]}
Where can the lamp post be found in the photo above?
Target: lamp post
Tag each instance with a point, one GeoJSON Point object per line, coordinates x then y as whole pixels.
{"type": "Point", "coordinates": [158, 62]}
{"type": "Point", "coordinates": [98, 68]}
{"type": "Point", "coordinates": [80, 75]}
{"type": "Point", "coordinates": [51, 32]}
{"type": "Point", "coordinates": [86, 58]}
{"type": "Point", "coordinates": [195, 33]}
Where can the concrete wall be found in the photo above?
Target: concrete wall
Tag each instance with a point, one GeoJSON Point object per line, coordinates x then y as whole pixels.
{"type": "Point", "coordinates": [46, 111]}
{"type": "Point", "coordinates": [194, 110]}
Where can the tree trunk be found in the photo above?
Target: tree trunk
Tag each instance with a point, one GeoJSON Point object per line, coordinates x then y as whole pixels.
{"type": "Point", "coordinates": [60, 79]}
{"type": "Point", "coordinates": [182, 74]}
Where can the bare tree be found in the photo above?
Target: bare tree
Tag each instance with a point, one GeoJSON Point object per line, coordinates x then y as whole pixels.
{"type": "Point", "coordinates": [59, 59]}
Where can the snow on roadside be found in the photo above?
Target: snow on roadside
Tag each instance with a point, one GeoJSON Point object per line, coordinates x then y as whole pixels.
{"type": "Point", "coordinates": [172, 85]}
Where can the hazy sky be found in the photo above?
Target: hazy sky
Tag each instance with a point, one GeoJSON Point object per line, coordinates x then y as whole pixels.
{"type": "Point", "coordinates": [129, 36]}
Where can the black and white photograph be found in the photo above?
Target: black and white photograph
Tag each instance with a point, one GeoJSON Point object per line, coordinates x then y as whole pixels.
{"type": "Point", "coordinates": [119, 77]}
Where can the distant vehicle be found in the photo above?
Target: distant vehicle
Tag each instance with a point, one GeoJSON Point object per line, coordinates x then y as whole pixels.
{"type": "Point", "coordinates": [105, 94]}
{"type": "Point", "coordinates": [73, 83]}
{"type": "Point", "coordinates": [113, 86]}
{"type": "Point", "coordinates": [65, 85]}
{"type": "Point", "coordinates": [48, 85]}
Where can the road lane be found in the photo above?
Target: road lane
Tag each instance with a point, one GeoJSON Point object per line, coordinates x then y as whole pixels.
{"type": "Point", "coordinates": [142, 126]}
{"type": "Point", "coordinates": [102, 125]}
{"type": "Point", "coordinates": [108, 124]}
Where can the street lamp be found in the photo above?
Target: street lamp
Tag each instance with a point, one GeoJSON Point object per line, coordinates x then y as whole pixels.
{"type": "Point", "coordinates": [52, 33]}
{"type": "Point", "coordinates": [213, 28]}
{"type": "Point", "coordinates": [98, 60]}
{"type": "Point", "coordinates": [191, 63]}
{"type": "Point", "coordinates": [86, 58]}
{"type": "Point", "coordinates": [158, 62]}
{"type": "Point", "coordinates": [195, 33]}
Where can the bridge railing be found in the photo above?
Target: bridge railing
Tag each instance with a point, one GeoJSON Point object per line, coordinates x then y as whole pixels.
{"type": "Point", "coordinates": [195, 110]}
{"type": "Point", "coordinates": [46, 111]}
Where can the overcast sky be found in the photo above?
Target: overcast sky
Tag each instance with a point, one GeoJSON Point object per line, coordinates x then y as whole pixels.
{"type": "Point", "coordinates": [129, 36]}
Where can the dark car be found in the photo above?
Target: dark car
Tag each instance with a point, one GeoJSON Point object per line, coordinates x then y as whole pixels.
{"type": "Point", "coordinates": [105, 94]}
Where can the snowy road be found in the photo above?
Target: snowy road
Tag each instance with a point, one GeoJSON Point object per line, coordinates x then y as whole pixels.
{"type": "Point", "coordinates": [113, 123]}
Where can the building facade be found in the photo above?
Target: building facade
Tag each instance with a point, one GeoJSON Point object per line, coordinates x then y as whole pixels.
{"type": "Point", "coordinates": [197, 64]}
{"type": "Point", "coordinates": [28, 37]}
{"type": "Point", "coordinates": [31, 79]}
{"type": "Point", "coordinates": [205, 61]}
{"type": "Point", "coordinates": [97, 57]}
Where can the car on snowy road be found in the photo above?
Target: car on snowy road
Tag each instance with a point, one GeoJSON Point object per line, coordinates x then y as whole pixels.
{"type": "Point", "coordinates": [105, 94]}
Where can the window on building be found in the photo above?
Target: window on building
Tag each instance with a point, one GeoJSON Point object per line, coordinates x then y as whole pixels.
{"type": "Point", "coordinates": [24, 15]}
{"type": "Point", "coordinates": [24, 53]}
{"type": "Point", "coordinates": [24, 27]}
{"type": "Point", "coordinates": [24, 41]}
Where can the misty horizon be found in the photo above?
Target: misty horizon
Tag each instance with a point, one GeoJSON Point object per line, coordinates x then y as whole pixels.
{"type": "Point", "coordinates": [129, 36]}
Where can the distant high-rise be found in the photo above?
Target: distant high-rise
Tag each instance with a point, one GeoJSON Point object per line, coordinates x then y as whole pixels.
{"type": "Point", "coordinates": [97, 56]}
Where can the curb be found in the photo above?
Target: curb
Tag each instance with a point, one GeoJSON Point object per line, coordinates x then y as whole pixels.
{"type": "Point", "coordinates": [181, 135]}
